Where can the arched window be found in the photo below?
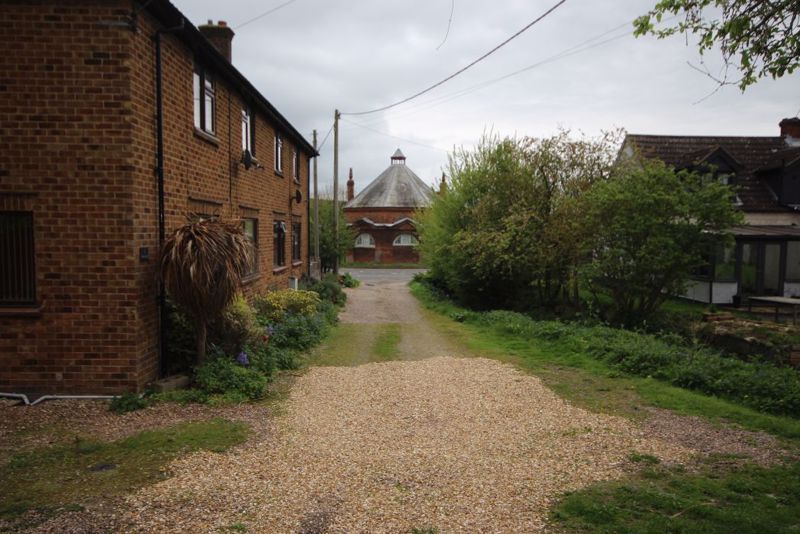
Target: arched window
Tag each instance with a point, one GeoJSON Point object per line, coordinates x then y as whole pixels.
{"type": "Point", "coordinates": [365, 241]}
{"type": "Point", "coordinates": [405, 240]}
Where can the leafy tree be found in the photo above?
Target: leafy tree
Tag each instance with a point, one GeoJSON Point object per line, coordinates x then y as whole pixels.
{"type": "Point", "coordinates": [505, 232]}
{"type": "Point", "coordinates": [202, 265]}
{"type": "Point", "coordinates": [329, 248]}
{"type": "Point", "coordinates": [759, 37]}
{"type": "Point", "coordinates": [647, 228]}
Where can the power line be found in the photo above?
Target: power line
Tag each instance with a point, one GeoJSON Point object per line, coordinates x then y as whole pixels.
{"type": "Point", "coordinates": [322, 144]}
{"type": "Point", "coordinates": [449, 23]}
{"type": "Point", "coordinates": [487, 54]}
{"type": "Point", "coordinates": [575, 49]}
{"type": "Point", "coordinates": [264, 14]}
{"type": "Point", "coordinates": [394, 136]}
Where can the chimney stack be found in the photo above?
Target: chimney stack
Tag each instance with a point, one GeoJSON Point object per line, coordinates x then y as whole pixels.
{"type": "Point", "coordinates": [790, 130]}
{"type": "Point", "coordinates": [443, 186]}
{"type": "Point", "coordinates": [351, 185]}
{"type": "Point", "coordinates": [220, 35]}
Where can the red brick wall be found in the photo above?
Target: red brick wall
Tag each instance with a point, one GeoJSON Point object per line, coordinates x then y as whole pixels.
{"type": "Point", "coordinates": [77, 101]}
{"type": "Point", "coordinates": [384, 251]}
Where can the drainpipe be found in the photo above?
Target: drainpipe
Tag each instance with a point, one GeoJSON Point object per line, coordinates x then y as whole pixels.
{"type": "Point", "coordinates": [27, 402]}
{"type": "Point", "coordinates": [162, 295]}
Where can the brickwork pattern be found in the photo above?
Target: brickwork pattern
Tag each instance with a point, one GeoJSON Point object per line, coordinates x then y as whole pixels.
{"type": "Point", "coordinates": [77, 106]}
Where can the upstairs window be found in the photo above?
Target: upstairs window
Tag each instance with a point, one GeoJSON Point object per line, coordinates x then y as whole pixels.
{"type": "Point", "coordinates": [248, 131]}
{"type": "Point", "coordinates": [296, 166]}
{"type": "Point", "coordinates": [204, 100]}
{"type": "Point", "coordinates": [250, 228]}
{"type": "Point", "coordinates": [297, 249]}
{"type": "Point", "coordinates": [405, 240]}
{"type": "Point", "coordinates": [278, 154]}
{"type": "Point", "coordinates": [17, 272]}
{"type": "Point", "coordinates": [365, 241]}
{"type": "Point", "coordinates": [279, 243]}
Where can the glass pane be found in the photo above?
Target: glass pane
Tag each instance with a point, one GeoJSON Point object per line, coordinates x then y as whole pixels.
{"type": "Point", "coordinates": [245, 130]}
{"type": "Point", "coordinates": [772, 268]}
{"type": "Point", "coordinates": [209, 126]}
{"type": "Point", "coordinates": [726, 264]}
{"type": "Point", "coordinates": [793, 260]}
{"type": "Point", "coordinates": [749, 268]}
{"type": "Point", "coordinates": [197, 122]}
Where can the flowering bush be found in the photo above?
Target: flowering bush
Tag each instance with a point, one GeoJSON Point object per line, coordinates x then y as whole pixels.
{"type": "Point", "coordinates": [274, 305]}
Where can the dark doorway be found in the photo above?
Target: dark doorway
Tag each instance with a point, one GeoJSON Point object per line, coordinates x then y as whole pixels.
{"type": "Point", "coordinates": [760, 268]}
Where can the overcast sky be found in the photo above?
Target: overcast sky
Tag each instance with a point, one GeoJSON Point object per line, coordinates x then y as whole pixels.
{"type": "Point", "coordinates": [314, 56]}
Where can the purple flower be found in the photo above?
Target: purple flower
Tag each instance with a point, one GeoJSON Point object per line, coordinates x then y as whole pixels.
{"type": "Point", "coordinates": [242, 358]}
{"type": "Point", "coordinates": [269, 330]}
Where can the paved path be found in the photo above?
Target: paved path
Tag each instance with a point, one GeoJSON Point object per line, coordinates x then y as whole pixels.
{"type": "Point", "coordinates": [446, 442]}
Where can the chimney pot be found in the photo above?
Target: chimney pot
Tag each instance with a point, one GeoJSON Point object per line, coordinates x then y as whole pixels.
{"type": "Point", "coordinates": [219, 35]}
{"type": "Point", "coordinates": [351, 185]}
{"type": "Point", "coordinates": [790, 128]}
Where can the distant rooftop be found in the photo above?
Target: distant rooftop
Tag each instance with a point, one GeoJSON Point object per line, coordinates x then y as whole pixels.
{"type": "Point", "coordinates": [395, 187]}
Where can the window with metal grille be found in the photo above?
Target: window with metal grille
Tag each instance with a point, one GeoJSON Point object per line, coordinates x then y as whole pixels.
{"type": "Point", "coordinates": [296, 242]}
{"type": "Point", "coordinates": [279, 243]}
{"type": "Point", "coordinates": [17, 270]}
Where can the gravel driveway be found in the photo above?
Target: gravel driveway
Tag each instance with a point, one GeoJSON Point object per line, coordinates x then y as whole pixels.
{"type": "Point", "coordinates": [456, 444]}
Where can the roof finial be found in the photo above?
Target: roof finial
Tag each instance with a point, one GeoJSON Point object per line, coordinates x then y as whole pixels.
{"type": "Point", "coordinates": [398, 157]}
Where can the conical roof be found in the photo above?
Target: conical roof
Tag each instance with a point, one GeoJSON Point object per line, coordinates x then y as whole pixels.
{"type": "Point", "coordinates": [396, 187]}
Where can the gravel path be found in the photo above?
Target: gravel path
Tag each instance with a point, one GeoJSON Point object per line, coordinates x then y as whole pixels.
{"type": "Point", "coordinates": [459, 444]}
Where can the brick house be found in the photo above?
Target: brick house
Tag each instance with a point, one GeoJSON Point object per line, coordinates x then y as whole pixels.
{"type": "Point", "coordinates": [382, 215]}
{"type": "Point", "coordinates": [765, 172]}
{"type": "Point", "coordinates": [119, 119]}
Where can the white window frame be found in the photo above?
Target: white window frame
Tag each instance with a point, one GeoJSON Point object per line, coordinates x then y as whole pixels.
{"type": "Point", "coordinates": [247, 131]}
{"type": "Point", "coordinates": [278, 153]}
{"type": "Point", "coordinates": [405, 240]}
{"type": "Point", "coordinates": [364, 240]}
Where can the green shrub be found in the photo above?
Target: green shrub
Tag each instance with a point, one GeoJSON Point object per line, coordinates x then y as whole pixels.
{"type": "Point", "coordinates": [284, 358]}
{"type": "Point", "coordinates": [180, 340]}
{"type": "Point", "coordinates": [329, 289]}
{"type": "Point", "coordinates": [298, 332]}
{"type": "Point", "coordinates": [236, 327]}
{"type": "Point", "coordinates": [274, 305]}
{"type": "Point", "coordinates": [260, 358]}
{"type": "Point", "coordinates": [347, 280]}
{"type": "Point", "coordinates": [127, 402]}
{"type": "Point", "coordinates": [222, 375]}
{"type": "Point", "coordinates": [762, 386]}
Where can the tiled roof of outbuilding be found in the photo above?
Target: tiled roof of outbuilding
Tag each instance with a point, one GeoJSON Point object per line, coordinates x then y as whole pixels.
{"type": "Point", "coordinates": [752, 153]}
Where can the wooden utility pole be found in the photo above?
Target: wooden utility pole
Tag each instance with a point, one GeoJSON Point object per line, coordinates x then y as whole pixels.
{"type": "Point", "coordinates": [336, 190]}
{"type": "Point", "coordinates": [316, 207]}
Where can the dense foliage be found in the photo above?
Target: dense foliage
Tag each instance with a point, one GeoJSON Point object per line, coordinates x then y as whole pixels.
{"type": "Point", "coordinates": [505, 234]}
{"type": "Point", "coordinates": [646, 229]}
{"type": "Point", "coordinates": [201, 266]}
{"type": "Point", "coordinates": [523, 218]}
{"type": "Point", "coordinates": [758, 38]}
{"type": "Point", "coordinates": [332, 249]}
{"type": "Point", "coordinates": [250, 341]}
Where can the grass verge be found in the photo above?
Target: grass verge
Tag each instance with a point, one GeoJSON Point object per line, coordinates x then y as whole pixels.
{"type": "Point", "coordinates": [68, 476]}
{"type": "Point", "coordinates": [357, 344]}
{"type": "Point", "coordinates": [589, 382]}
{"type": "Point", "coordinates": [660, 499]}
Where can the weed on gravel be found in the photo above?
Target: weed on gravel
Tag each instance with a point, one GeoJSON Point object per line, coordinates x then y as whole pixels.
{"type": "Point", "coordinates": [59, 477]}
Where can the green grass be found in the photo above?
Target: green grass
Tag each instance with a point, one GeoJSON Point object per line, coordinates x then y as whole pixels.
{"type": "Point", "coordinates": [55, 477]}
{"type": "Point", "coordinates": [589, 382]}
{"type": "Point", "coordinates": [659, 499]}
{"type": "Point", "coordinates": [356, 344]}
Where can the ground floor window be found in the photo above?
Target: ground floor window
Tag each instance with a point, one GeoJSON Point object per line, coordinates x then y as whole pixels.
{"type": "Point", "coordinates": [405, 240]}
{"type": "Point", "coordinates": [250, 227]}
{"type": "Point", "coordinates": [365, 241]}
{"type": "Point", "coordinates": [279, 243]}
{"type": "Point", "coordinates": [297, 250]}
{"type": "Point", "coordinates": [793, 261]}
{"type": "Point", "coordinates": [17, 270]}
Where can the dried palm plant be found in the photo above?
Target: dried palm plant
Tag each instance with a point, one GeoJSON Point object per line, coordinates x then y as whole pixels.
{"type": "Point", "coordinates": [202, 265]}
